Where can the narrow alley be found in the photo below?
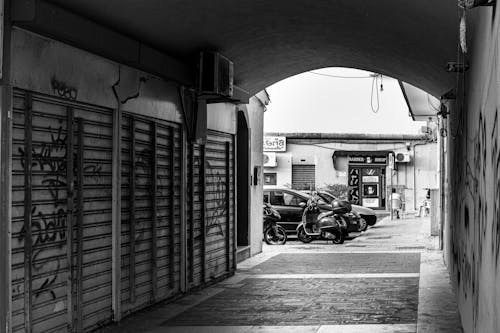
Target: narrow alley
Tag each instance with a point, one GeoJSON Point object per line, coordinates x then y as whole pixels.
{"type": "Point", "coordinates": [388, 279]}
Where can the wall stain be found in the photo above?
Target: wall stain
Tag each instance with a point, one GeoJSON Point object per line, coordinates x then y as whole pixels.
{"type": "Point", "coordinates": [63, 90]}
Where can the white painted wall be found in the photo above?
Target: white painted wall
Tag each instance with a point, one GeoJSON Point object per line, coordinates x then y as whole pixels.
{"type": "Point", "coordinates": [255, 116]}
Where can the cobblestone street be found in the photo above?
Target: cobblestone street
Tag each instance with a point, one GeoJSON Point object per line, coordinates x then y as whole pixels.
{"type": "Point", "coordinates": [380, 281]}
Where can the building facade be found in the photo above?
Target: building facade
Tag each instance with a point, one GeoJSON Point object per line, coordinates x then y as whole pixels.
{"type": "Point", "coordinates": [364, 167]}
{"type": "Point", "coordinates": [110, 202]}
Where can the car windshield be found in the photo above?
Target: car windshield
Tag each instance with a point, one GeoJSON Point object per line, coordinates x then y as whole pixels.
{"type": "Point", "coordinates": [326, 197]}
{"type": "Point", "coordinates": [320, 199]}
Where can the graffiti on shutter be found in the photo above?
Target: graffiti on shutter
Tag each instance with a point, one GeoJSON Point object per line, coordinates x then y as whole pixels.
{"type": "Point", "coordinates": [219, 191]}
{"type": "Point", "coordinates": [210, 247]}
{"type": "Point", "coordinates": [51, 232]}
{"type": "Point", "coordinates": [151, 230]}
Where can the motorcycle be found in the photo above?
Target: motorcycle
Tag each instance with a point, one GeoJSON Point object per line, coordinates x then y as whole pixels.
{"type": "Point", "coordinates": [273, 233]}
{"type": "Point", "coordinates": [328, 225]}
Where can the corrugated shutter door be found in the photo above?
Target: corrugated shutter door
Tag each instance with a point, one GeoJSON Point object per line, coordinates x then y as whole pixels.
{"type": "Point", "coordinates": [40, 265]}
{"type": "Point", "coordinates": [93, 162]}
{"type": "Point", "coordinates": [303, 177]}
{"type": "Point", "coordinates": [194, 217]}
{"type": "Point", "coordinates": [151, 226]}
{"type": "Point", "coordinates": [61, 214]}
{"type": "Point", "coordinates": [219, 190]}
{"type": "Point", "coordinates": [210, 245]}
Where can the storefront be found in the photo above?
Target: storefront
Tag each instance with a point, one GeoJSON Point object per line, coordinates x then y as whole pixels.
{"type": "Point", "coordinates": [366, 180]}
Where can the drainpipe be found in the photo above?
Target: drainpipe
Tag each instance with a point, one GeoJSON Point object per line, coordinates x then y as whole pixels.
{"type": "Point", "coordinates": [414, 177]}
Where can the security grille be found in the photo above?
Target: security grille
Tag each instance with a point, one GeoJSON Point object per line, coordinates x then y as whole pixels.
{"type": "Point", "coordinates": [61, 214]}
{"type": "Point", "coordinates": [211, 247]}
{"type": "Point", "coordinates": [151, 223]}
{"type": "Point", "coordinates": [303, 177]}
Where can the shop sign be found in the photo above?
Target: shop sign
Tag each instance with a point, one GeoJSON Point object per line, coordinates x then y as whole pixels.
{"type": "Point", "coordinates": [370, 179]}
{"type": "Point", "coordinates": [368, 159]}
{"type": "Point", "coordinates": [370, 202]}
{"type": "Point", "coordinates": [274, 143]}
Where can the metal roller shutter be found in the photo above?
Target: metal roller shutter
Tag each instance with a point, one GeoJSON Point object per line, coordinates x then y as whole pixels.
{"type": "Point", "coordinates": [151, 224]}
{"type": "Point", "coordinates": [303, 177]}
{"type": "Point", "coordinates": [61, 214]}
{"type": "Point", "coordinates": [94, 145]}
{"type": "Point", "coordinates": [195, 230]}
{"type": "Point", "coordinates": [210, 222]}
{"type": "Point", "coordinates": [219, 196]}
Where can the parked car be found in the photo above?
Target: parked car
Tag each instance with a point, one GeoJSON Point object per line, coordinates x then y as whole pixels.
{"type": "Point", "coordinates": [287, 203]}
{"type": "Point", "coordinates": [366, 213]}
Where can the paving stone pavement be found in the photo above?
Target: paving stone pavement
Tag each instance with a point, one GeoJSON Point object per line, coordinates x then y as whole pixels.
{"type": "Point", "coordinates": [318, 263]}
{"type": "Point", "coordinates": [388, 279]}
{"type": "Point", "coordinates": [271, 302]}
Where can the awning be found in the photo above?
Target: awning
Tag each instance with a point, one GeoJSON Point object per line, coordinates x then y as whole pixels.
{"type": "Point", "coordinates": [420, 104]}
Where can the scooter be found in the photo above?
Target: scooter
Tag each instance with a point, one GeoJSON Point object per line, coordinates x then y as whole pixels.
{"type": "Point", "coordinates": [327, 225]}
{"type": "Point", "coordinates": [273, 233]}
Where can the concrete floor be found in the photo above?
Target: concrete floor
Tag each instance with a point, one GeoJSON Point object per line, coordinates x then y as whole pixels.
{"type": "Point", "coordinates": [388, 279]}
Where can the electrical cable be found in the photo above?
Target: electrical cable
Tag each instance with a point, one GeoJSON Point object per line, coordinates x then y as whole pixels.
{"type": "Point", "coordinates": [340, 76]}
{"type": "Point", "coordinates": [375, 82]}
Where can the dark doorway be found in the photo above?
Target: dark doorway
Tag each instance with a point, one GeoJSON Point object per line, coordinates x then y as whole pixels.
{"type": "Point", "coordinates": [243, 181]}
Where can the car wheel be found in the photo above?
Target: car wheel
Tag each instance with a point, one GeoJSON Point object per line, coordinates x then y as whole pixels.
{"type": "Point", "coordinates": [363, 225]}
{"type": "Point", "coordinates": [303, 237]}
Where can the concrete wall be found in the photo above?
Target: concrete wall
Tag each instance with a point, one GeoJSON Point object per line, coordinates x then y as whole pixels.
{"type": "Point", "coordinates": [255, 116]}
{"type": "Point", "coordinates": [283, 169]}
{"type": "Point", "coordinates": [36, 62]}
{"type": "Point", "coordinates": [474, 145]}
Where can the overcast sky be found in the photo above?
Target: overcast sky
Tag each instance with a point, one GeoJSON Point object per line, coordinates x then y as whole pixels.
{"type": "Point", "coordinates": [315, 103]}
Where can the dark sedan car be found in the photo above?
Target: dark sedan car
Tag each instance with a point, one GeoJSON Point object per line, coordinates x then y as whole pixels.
{"type": "Point", "coordinates": [287, 203]}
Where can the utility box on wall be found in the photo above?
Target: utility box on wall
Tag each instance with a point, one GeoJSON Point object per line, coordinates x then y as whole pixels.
{"type": "Point", "coordinates": [215, 75]}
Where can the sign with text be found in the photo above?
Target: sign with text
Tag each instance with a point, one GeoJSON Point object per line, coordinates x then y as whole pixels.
{"type": "Point", "coordinates": [370, 202]}
{"type": "Point", "coordinates": [370, 179]}
{"type": "Point", "coordinates": [368, 159]}
{"type": "Point", "coordinates": [274, 143]}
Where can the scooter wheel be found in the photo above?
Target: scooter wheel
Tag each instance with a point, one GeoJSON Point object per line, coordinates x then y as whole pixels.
{"type": "Point", "coordinates": [275, 236]}
{"type": "Point", "coordinates": [363, 225]}
{"type": "Point", "coordinates": [339, 238]}
{"type": "Point", "coordinates": [303, 237]}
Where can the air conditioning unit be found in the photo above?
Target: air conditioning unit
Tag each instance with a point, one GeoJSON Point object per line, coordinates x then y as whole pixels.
{"type": "Point", "coordinates": [215, 75]}
{"type": "Point", "coordinates": [270, 160]}
{"type": "Point", "coordinates": [403, 157]}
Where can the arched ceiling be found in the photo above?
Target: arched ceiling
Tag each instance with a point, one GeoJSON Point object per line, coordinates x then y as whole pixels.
{"type": "Point", "coordinates": [271, 40]}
